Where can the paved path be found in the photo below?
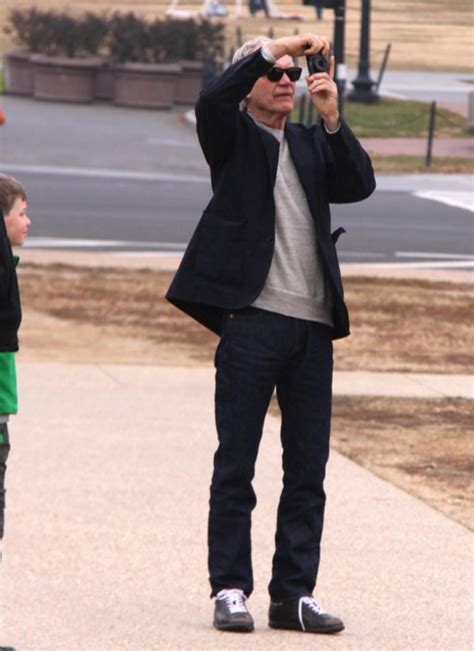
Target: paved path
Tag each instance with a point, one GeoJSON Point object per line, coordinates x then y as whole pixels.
{"type": "Point", "coordinates": [403, 385]}
{"type": "Point", "coordinates": [444, 87]}
{"type": "Point", "coordinates": [442, 147]}
{"type": "Point", "coordinates": [106, 528]}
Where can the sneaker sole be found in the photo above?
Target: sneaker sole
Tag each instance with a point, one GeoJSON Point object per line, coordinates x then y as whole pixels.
{"type": "Point", "coordinates": [329, 630]}
{"type": "Point", "coordinates": [234, 628]}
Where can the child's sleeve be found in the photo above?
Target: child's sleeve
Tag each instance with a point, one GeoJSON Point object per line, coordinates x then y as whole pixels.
{"type": "Point", "coordinates": [10, 304]}
{"type": "Point", "coordinates": [3, 261]}
{"type": "Point", "coordinates": [6, 262]}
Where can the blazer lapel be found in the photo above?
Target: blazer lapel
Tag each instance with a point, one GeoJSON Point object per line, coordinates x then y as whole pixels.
{"type": "Point", "coordinates": [303, 155]}
{"type": "Point", "coordinates": [271, 146]}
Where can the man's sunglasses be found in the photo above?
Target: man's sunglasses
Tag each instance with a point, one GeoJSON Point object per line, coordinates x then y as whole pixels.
{"type": "Point", "coordinates": [275, 74]}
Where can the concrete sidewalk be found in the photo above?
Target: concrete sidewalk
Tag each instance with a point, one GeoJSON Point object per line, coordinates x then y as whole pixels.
{"type": "Point", "coordinates": [442, 147]}
{"type": "Point", "coordinates": [403, 385]}
{"type": "Point", "coordinates": [106, 528]}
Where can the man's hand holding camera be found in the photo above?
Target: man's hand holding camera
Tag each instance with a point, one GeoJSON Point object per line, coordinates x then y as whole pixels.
{"type": "Point", "coordinates": [323, 92]}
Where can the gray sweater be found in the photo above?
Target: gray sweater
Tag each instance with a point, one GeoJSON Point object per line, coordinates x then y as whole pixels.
{"type": "Point", "coordinates": [295, 285]}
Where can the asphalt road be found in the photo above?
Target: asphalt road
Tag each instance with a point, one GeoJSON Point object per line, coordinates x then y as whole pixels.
{"type": "Point", "coordinates": [81, 212]}
{"type": "Point", "coordinates": [100, 177]}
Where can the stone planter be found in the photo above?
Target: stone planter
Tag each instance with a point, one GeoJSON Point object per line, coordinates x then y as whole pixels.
{"type": "Point", "coordinates": [18, 73]}
{"type": "Point", "coordinates": [61, 79]}
{"type": "Point", "coordinates": [146, 85]}
{"type": "Point", "coordinates": [105, 82]}
{"type": "Point", "coordinates": [189, 83]}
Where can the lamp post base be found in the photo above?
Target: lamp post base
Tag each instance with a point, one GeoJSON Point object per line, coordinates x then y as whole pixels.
{"type": "Point", "coordinates": [363, 93]}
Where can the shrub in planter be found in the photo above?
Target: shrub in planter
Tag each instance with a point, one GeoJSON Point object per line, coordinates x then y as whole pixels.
{"type": "Point", "coordinates": [27, 26]}
{"type": "Point", "coordinates": [67, 68]}
{"type": "Point", "coordinates": [62, 79]}
{"type": "Point", "coordinates": [200, 41]}
{"type": "Point", "coordinates": [128, 38]}
{"type": "Point", "coordinates": [206, 39]}
{"type": "Point", "coordinates": [144, 55]}
{"type": "Point", "coordinates": [18, 78]}
{"type": "Point", "coordinates": [63, 51]}
{"type": "Point", "coordinates": [56, 33]}
{"type": "Point", "coordinates": [105, 81]}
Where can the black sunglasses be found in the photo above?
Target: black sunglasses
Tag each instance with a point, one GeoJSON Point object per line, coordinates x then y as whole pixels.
{"type": "Point", "coordinates": [275, 74]}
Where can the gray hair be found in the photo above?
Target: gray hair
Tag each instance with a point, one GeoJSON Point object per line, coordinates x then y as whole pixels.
{"type": "Point", "coordinates": [249, 47]}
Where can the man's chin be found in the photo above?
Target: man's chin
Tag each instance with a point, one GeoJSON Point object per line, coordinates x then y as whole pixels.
{"type": "Point", "coordinates": [284, 105]}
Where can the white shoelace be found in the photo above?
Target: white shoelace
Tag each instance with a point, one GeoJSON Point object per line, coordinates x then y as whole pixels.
{"type": "Point", "coordinates": [234, 600]}
{"type": "Point", "coordinates": [312, 604]}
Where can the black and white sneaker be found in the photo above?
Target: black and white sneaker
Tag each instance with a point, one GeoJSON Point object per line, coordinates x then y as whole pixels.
{"type": "Point", "coordinates": [303, 614]}
{"type": "Point", "coordinates": [231, 613]}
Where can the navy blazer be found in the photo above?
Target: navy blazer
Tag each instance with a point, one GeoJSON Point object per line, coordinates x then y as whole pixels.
{"type": "Point", "coordinates": [229, 256]}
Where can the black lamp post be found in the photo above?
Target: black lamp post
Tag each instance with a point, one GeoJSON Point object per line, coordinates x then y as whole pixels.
{"type": "Point", "coordinates": [363, 84]}
{"type": "Point", "coordinates": [340, 76]}
{"type": "Point", "coordinates": [339, 49]}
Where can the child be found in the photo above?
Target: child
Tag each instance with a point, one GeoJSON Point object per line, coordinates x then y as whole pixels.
{"type": "Point", "coordinates": [14, 224]}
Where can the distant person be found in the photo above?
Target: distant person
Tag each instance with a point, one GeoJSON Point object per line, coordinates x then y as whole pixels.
{"type": "Point", "coordinates": [216, 9]}
{"type": "Point", "coordinates": [259, 5]}
{"type": "Point", "coordinates": [261, 270]}
{"type": "Point", "coordinates": [319, 5]}
{"type": "Point", "coordinates": [14, 223]}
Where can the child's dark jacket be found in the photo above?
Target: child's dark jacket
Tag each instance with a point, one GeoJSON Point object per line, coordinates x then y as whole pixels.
{"type": "Point", "coordinates": [10, 307]}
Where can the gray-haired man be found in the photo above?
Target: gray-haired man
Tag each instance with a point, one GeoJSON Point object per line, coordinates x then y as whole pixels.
{"type": "Point", "coordinates": [261, 271]}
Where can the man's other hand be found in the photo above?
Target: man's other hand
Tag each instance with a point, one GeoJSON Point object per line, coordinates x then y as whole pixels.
{"type": "Point", "coordinates": [323, 91]}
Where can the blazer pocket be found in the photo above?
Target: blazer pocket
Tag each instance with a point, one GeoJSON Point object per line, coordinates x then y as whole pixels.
{"type": "Point", "coordinates": [221, 251]}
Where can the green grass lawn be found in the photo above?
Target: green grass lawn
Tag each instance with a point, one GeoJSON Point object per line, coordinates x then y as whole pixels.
{"type": "Point", "coordinates": [403, 119]}
{"type": "Point", "coordinates": [393, 118]}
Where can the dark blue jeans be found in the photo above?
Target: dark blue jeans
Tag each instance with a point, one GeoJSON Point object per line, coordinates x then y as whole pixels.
{"type": "Point", "coordinates": [257, 5]}
{"type": "Point", "coordinates": [259, 351]}
{"type": "Point", "coordinates": [4, 451]}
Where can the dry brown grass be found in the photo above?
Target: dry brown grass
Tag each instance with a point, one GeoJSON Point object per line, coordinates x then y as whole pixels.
{"type": "Point", "coordinates": [408, 325]}
{"type": "Point", "coordinates": [425, 447]}
{"type": "Point", "coordinates": [426, 35]}
{"type": "Point", "coordinates": [397, 325]}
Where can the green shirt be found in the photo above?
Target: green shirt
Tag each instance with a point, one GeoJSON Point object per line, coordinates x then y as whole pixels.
{"type": "Point", "coordinates": [8, 387]}
{"type": "Point", "coordinates": [8, 391]}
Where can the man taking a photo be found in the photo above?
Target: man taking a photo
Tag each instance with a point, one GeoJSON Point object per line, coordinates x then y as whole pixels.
{"type": "Point", "coordinates": [261, 270]}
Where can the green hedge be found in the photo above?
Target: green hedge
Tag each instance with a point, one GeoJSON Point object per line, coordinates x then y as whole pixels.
{"type": "Point", "coordinates": [124, 37]}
